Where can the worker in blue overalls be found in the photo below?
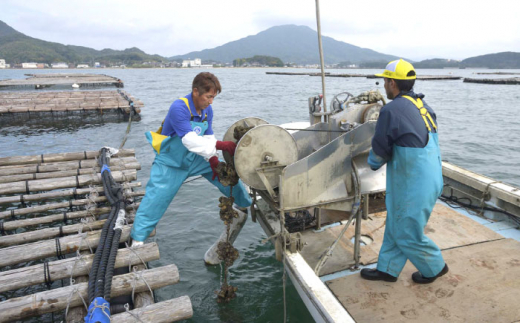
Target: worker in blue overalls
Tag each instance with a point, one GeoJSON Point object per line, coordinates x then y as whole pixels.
{"type": "Point", "coordinates": [406, 140]}
{"type": "Point", "coordinates": [184, 146]}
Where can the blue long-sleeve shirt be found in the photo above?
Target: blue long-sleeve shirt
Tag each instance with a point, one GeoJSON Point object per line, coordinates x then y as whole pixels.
{"type": "Point", "coordinates": [401, 124]}
{"type": "Point", "coordinates": [177, 122]}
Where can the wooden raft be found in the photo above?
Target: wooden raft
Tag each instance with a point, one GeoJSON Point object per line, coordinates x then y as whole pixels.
{"type": "Point", "coordinates": [512, 80]}
{"type": "Point", "coordinates": [427, 77]}
{"type": "Point", "coordinates": [46, 80]}
{"type": "Point", "coordinates": [52, 210]}
{"type": "Point", "coordinates": [67, 102]}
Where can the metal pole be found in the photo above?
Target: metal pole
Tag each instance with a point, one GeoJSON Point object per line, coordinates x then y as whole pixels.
{"type": "Point", "coordinates": [321, 55]}
{"type": "Point", "coordinates": [326, 118]}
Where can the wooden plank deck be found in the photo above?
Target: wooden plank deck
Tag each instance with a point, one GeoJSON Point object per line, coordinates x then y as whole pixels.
{"type": "Point", "coordinates": [47, 237]}
{"type": "Point", "coordinates": [483, 285]}
{"type": "Point", "coordinates": [446, 227]}
{"type": "Point", "coordinates": [19, 102]}
{"type": "Point", "coordinates": [46, 80]}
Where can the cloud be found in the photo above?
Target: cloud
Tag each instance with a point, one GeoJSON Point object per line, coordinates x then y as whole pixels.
{"type": "Point", "coordinates": [443, 28]}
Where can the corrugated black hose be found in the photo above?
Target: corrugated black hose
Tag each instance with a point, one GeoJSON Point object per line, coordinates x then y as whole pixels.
{"type": "Point", "coordinates": [98, 255]}
{"type": "Point", "coordinates": [100, 277]}
{"type": "Point", "coordinates": [114, 195]}
{"type": "Point", "coordinates": [112, 258]}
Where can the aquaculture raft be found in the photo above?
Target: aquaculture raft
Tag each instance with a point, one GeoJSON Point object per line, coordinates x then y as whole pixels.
{"type": "Point", "coordinates": [25, 105]}
{"type": "Point", "coordinates": [370, 76]}
{"type": "Point", "coordinates": [52, 209]}
{"type": "Point", "coordinates": [512, 80]}
{"type": "Point", "coordinates": [46, 80]}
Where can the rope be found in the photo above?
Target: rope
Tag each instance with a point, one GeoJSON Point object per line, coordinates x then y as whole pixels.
{"type": "Point", "coordinates": [132, 112]}
{"type": "Point", "coordinates": [102, 307]}
{"type": "Point", "coordinates": [132, 249]}
{"type": "Point", "coordinates": [136, 316]}
{"type": "Point", "coordinates": [2, 231]}
{"type": "Point", "coordinates": [136, 276]}
{"type": "Point", "coordinates": [47, 274]}
{"type": "Point", "coordinates": [59, 253]}
{"type": "Point", "coordinates": [74, 290]}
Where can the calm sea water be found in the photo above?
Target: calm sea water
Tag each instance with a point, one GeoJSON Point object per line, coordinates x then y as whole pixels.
{"type": "Point", "coordinates": [478, 128]}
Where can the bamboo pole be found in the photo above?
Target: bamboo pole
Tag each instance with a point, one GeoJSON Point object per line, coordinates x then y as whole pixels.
{"type": "Point", "coordinates": [64, 182]}
{"type": "Point", "coordinates": [48, 158]}
{"type": "Point", "coordinates": [43, 249]}
{"type": "Point", "coordinates": [64, 173]}
{"type": "Point", "coordinates": [78, 313]}
{"type": "Point", "coordinates": [145, 298]}
{"type": "Point", "coordinates": [57, 299]}
{"type": "Point", "coordinates": [60, 205]}
{"type": "Point", "coordinates": [42, 234]}
{"type": "Point", "coordinates": [171, 310]}
{"type": "Point", "coordinates": [12, 225]}
{"type": "Point", "coordinates": [61, 193]}
{"type": "Point", "coordinates": [60, 166]}
{"type": "Point", "coordinates": [61, 269]}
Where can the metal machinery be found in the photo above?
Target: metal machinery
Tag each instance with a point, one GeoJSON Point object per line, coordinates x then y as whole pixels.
{"type": "Point", "coordinates": [312, 166]}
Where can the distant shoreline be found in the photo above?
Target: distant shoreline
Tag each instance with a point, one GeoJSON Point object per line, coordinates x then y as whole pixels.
{"type": "Point", "coordinates": [258, 67]}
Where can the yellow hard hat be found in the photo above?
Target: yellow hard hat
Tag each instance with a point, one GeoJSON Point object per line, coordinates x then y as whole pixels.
{"type": "Point", "coordinates": [399, 70]}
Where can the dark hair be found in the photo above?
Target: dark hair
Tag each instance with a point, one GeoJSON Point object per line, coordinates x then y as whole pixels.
{"type": "Point", "coordinates": [205, 82]}
{"type": "Point", "coordinates": [404, 85]}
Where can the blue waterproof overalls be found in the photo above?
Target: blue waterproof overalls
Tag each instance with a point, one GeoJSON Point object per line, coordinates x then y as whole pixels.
{"type": "Point", "coordinates": [173, 164]}
{"type": "Point", "coordinates": [413, 184]}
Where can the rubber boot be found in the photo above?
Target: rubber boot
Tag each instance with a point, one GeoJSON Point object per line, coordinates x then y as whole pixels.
{"type": "Point", "coordinates": [211, 257]}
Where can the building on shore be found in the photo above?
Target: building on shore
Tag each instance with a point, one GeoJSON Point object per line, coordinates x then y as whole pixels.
{"type": "Point", "coordinates": [30, 65]}
{"type": "Point", "coordinates": [192, 63]}
{"type": "Point", "coordinates": [60, 65]}
{"type": "Point", "coordinates": [82, 66]}
{"type": "Point", "coordinates": [2, 63]}
{"type": "Point", "coordinates": [197, 62]}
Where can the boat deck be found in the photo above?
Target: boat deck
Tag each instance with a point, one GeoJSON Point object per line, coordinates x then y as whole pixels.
{"type": "Point", "coordinates": [482, 285]}
{"type": "Point", "coordinates": [448, 228]}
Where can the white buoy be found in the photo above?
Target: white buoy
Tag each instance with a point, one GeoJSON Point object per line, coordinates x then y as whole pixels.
{"type": "Point", "coordinates": [75, 86]}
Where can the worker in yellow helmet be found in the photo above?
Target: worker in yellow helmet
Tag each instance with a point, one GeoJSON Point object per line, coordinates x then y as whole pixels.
{"type": "Point", "coordinates": [406, 140]}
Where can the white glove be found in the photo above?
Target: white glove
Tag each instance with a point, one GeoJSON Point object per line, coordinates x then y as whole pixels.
{"type": "Point", "coordinates": [203, 146]}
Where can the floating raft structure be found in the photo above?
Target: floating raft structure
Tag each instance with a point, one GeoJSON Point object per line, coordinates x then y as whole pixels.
{"type": "Point", "coordinates": [498, 73]}
{"type": "Point", "coordinates": [52, 209]}
{"type": "Point", "coordinates": [291, 73]}
{"type": "Point", "coordinates": [37, 105]}
{"type": "Point", "coordinates": [425, 77]}
{"type": "Point", "coordinates": [39, 81]}
{"type": "Point", "coordinates": [372, 76]}
{"type": "Point", "coordinates": [513, 80]}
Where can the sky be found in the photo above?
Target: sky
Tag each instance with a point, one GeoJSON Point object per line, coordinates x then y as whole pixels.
{"type": "Point", "coordinates": [415, 29]}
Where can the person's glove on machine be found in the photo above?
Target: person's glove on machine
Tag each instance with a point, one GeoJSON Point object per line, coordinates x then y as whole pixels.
{"type": "Point", "coordinates": [228, 146]}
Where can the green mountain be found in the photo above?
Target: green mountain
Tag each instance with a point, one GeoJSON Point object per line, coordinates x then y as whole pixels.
{"type": "Point", "coordinates": [292, 44]}
{"type": "Point", "coordinates": [498, 60]}
{"type": "Point", "coordinates": [16, 48]}
{"type": "Point", "coordinates": [437, 63]}
{"type": "Point", "coordinates": [509, 60]}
